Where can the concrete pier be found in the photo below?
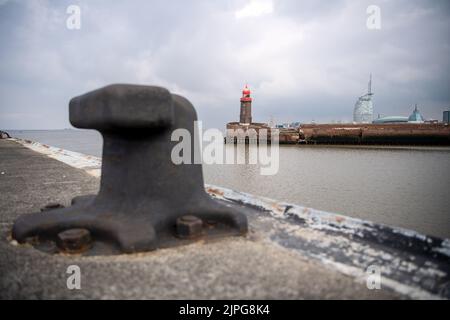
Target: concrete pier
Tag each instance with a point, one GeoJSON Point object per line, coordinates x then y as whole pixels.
{"type": "Point", "coordinates": [272, 262]}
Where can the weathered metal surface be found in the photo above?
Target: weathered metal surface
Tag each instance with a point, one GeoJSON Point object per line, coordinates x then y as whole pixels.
{"type": "Point", "coordinates": [74, 240]}
{"type": "Point", "coordinates": [142, 192]}
{"type": "Point", "coordinates": [189, 227]}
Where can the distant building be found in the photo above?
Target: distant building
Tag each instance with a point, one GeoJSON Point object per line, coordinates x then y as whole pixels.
{"type": "Point", "coordinates": [247, 131]}
{"type": "Point", "coordinates": [391, 119]}
{"type": "Point", "coordinates": [415, 117]}
{"type": "Point", "coordinates": [446, 117]}
{"type": "Point", "coordinates": [363, 112]}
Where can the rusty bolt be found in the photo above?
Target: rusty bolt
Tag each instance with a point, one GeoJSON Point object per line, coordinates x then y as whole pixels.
{"type": "Point", "coordinates": [189, 226]}
{"type": "Point", "coordinates": [74, 240]}
{"type": "Point", "coordinates": [51, 206]}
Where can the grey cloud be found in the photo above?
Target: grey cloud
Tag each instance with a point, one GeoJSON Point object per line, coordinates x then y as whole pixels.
{"type": "Point", "coordinates": [305, 60]}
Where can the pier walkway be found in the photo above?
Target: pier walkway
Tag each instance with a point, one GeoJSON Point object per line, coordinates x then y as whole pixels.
{"type": "Point", "coordinates": [269, 263]}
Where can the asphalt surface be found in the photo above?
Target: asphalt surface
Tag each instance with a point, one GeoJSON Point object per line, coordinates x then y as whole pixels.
{"type": "Point", "coordinates": [251, 267]}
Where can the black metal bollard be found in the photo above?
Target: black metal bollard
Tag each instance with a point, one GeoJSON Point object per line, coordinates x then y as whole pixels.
{"type": "Point", "coordinates": [142, 192]}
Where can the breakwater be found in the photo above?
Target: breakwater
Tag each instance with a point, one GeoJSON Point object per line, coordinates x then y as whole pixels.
{"type": "Point", "coordinates": [377, 134]}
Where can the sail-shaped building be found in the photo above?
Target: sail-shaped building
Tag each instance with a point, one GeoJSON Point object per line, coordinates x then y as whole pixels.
{"type": "Point", "coordinates": [363, 112]}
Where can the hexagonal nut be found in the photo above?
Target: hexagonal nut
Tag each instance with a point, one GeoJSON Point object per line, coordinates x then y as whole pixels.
{"type": "Point", "coordinates": [74, 240]}
{"type": "Point", "coordinates": [189, 226]}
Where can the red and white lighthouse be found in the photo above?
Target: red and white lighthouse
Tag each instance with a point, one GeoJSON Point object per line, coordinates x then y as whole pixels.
{"type": "Point", "coordinates": [246, 106]}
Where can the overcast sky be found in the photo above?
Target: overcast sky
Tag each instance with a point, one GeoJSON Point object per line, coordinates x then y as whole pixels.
{"type": "Point", "coordinates": [303, 60]}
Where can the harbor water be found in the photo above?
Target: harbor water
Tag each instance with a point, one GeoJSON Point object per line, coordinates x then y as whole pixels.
{"type": "Point", "coordinates": [401, 186]}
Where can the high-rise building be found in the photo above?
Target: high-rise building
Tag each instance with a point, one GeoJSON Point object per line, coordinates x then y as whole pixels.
{"type": "Point", "coordinates": [446, 117]}
{"type": "Point", "coordinates": [363, 112]}
{"type": "Point", "coordinates": [246, 106]}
